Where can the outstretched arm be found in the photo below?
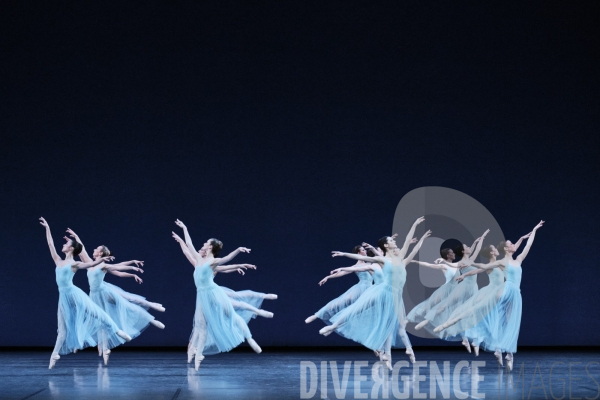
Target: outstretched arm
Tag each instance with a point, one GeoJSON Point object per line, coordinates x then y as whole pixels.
{"type": "Point", "coordinates": [411, 234]}
{"type": "Point", "coordinates": [354, 268]}
{"type": "Point", "coordinates": [125, 266]}
{"type": "Point", "coordinates": [50, 241]}
{"type": "Point", "coordinates": [126, 275]}
{"type": "Point", "coordinates": [231, 256]}
{"type": "Point", "coordinates": [428, 265]}
{"type": "Point", "coordinates": [414, 252]}
{"type": "Point", "coordinates": [86, 265]}
{"type": "Point", "coordinates": [83, 256]}
{"type": "Point", "coordinates": [485, 267]}
{"type": "Point", "coordinates": [473, 272]}
{"type": "Point", "coordinates": [478, 247]}
{"type": "Point", "coordinates": [233, 267]}
{"type": "Point", "coordinates": [376, 259]}
{"type": "Point", "coordinates": [185, 249]}
{"type": "Point", "coordinates": [522, 256]}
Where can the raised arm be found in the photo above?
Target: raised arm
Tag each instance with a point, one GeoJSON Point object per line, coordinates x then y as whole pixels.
{"type": "Point", "coordinates": [409, 236]}
{"type": "Point", "coordinates": [233, 267]}
{"type": "Point", "coordinates": [523, 254]}
{"type": "Point", "coordinates": [126, 275]}
{"type": "Point", "coordinates": [474, 254]}
{"type": "Point", "coordinates": [230, 256]}
{"type": "Point", "coordinates": [185, 249]}
{"type": "Point", "coordinates": [50, 241]}
{"type": "Point", "coordinates": [376, 259]}
{"type": "Point", "coordinates": [375, 251]}
{"type": "Point", "coordinates": [86, 265]}
{"type": "Point", "coordinates": [188, 239]}
{"type": "Point", "coordinates": [83, 256]}
{"type": "Point", "coordinates": [414, 252]}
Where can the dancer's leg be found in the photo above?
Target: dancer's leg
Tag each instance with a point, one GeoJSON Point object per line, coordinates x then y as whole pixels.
{"type": "Point", "coordinates": [157, 324]}
{"type": "Point", "coordinates": [240, 305]}
{"type": "Point", "coordinates": [198, 338]}
{"type": "Point", "coordinates": [60, 339]}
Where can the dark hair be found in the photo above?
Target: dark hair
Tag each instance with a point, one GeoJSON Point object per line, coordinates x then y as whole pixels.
{"type": "Point", "coordinates": [444, 253]}
{"type": "Point", "coordinates": [356, 249]}
{"type": "Point", "coordinates": [459, 251]}
{"type": "Point", "coordinates": [381, 244]}
{"type": "Point", "coordinates": [501, 247]}
{"type": "Point", "coordinates": [487, 252]}
{"type": "Point", "coordinates": [217, 245]}
{"type": "Point", "coordinates": [371, 253]}
{"type": "Point", "coordinates": [77, 247]}
{"type": "Point", "coordinates": [105, 252]}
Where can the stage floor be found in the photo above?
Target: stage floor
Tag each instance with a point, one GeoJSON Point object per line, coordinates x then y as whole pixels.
{"type": "Point", "coordinates": [277, 375]}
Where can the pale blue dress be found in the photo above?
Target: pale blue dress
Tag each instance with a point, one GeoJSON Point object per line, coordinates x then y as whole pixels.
{"type": "Point", "coordinates": [365, 281]}
{"type": "Point", "coordinates": [417, 314]}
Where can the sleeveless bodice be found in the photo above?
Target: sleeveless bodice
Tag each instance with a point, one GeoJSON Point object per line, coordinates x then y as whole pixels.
{"type": "Point", "coordinates": [64, 277]}
{"type": "Point", "coordinates": [365, 277]}
{"type": "Point", "coordinates": [470, 278]}
{"type": "Point", "coordinates": [378, 276]}
{"type": "Point", "coordinates": [513, 274]}
{"type": "Point", "coordinates": [395, 276]}
{"type": "Point", "coordinates": [95, 278]}
{"type": "Point", "coordinates": [203, 276]}
{"type": "Point", "coordinates": [450, 273]}
{"type": "Point", "coordinates": [496, 277]}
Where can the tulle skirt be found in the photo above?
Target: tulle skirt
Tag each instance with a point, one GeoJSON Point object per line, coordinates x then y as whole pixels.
{"type": "Point", "coordinates": [217, 327]}
{"type": "Point", "coordinates": [254, 299]}
{"type": "Point", "coordinates": [338, 304]}
{"type": "Point", "coordinates": [506, 322]}
{"type": "Point", "coordinates": [475, 316]}
{"type": "Point", "coordinates": [373, 318]}
{"type": "Point", "coordinates": [440, 313]}
{"type": "Point", "coordinates": [417, 314]}
{"type": "Point", "coordinates": [125, 309]}
{"type": "Point", "coordinates": [80, 321]}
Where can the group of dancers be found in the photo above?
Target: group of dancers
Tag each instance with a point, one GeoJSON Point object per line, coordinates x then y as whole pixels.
{"type": "Point", "coordinates": [372, 311]}
{"type": "Point", "coordinates": [110, 316]}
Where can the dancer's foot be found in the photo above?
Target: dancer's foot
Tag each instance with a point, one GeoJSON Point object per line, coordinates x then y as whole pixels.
{"type": "Point", "coordinates": [124, 335]}
{"type": "Point", "coordinates": [377, 354]}
{"type": "Point", "coordinates": [197, 361]}
{"type": "Point", "coordinates": [467, 345]}
{"type": "Point", "coordinates": [157, 324]}
{"type": "Point", "coordinates": [75, 351]}
{"type": "Point", "coordinates": [422, 324]}
{"type": "Point", "coordinates": [327, 330]}
{"type": "Point", "coordinates": [265, 314]}
{"type": "Point", "coordinates": [105, 356]}
{"type": "Point", "coordinates": [387, 358]}
{"type": "Point", "coordinates": [310, 319]}
{"type": "Point", "coordinates": [157, 307]}
{"type": "Point", "coordinates": [439, 328]}
{"type": "Point", "coordinates": [254, 345]}
{"type": "Point", "coordinates": [498, 356]}
{"type": "Point", "coordinates": [509, 361]}
{"type": "Point", "coordinates": [475, 349]}
{"type": "Point", "coordinates": [191, 353]}
{"type": "Point", "coordinates": [53, 359]}
{"type": "Point", "coordinates": [411, 355]}
{"type": "Point", "coordinates": [270, 296]}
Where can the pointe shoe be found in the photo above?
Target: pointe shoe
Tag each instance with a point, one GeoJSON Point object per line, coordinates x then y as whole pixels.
{"type": "Point", "coordinates": [439, 329]}
{"type": "Point", "coordinates": [265, 314]}
{"type": "Point", "coordinates": [191, 353]}
{"type": "Point", "coordinates": [270, 296]}
{"type": "Point", "coordinates": [158, 324]}
{"type": "Point", "coordinates": [327, 330]}
{"type": "Point", "coordinates": [509, 362]}
{"type": "Point", "coordinates": [387, 359]}
{"type": "Point", "coordinates": [475, 349]}
{"type": "Point", "coordinates": [498, 356]}
{"type": "Point", "coordinates": [197, 361]}
{"type": "Point", "coordinates": [105, 356]}
{"type": "Point", "coordinates": [75, 351]}
{"type": "Point", "coordinates": [310, 319]}
{"type": "Point", "coordinates": [53, 359]}
{"type": "Point", "coordinates": [467, 345]}
{"type": "Point", "coordinates": [254, 345]}
{"type": "Point", "coordinates": [411, 355]}
{"type": "Point", "coordinates": [124, 335]}
{"type": "Point", "coordinates": [157, 307]}
{"type": "Point", "coordinates": [421, 324]}
{"type": "Point", "coordinates": [377, 354]}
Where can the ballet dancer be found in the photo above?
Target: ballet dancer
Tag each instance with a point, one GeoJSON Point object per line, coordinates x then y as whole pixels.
{"type": "Point", "coordinates": [474, 318]}
{"type": "Point", "coordinates": [217, 327]}
{"type": "Point", "coordinates": [510, 304]}
{"type": "Point", "coordinates": [246, 303]}
{"type": "Point", "coordinates": [377, 319]}
{"type": "Point", "coordinates": [79, 318]}
{"type": "Point", "coordinates": [126, 309]}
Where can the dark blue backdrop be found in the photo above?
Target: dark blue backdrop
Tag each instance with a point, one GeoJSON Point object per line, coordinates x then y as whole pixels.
{"type": "Point", "coordinates": [293, 129]}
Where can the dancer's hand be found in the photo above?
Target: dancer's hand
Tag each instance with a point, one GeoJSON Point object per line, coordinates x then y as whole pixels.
{"type": "Point", "coordinates": [141, 271]}
{"type": "Point", "coordinates": [322, 281]}
{"type": "Point", "coordinates": [414, 240]}
{"type": "Point", "coordinates": [138, 279]}
{"type": "Point", "coordinates": [419, 220]}
{"type": "Point", "coordinates": [438, 261]}
{"type": "Point", "coordinates": [138, 263]}
{"type": "Point", "coordinates": [108, 258]}
{"type": "Point", "coordinates": [459, 278]}
{"type": "Point", "coordinates": [366, 245]}
{"type": "Point", "coordinates": [43, 222]}
{"type": "Point", "coordinates": [241, 271]}
{"type": "Point", "coordinates": [394, 236]}
{"type": "Point", "coordinates": [73, 234]}
{"type": "Point", "coordinates": [180, 224]}
{"type": "Point", "coordinates": [244, 249]}
{"type": "Point", "coordinates": [526, 236]}
{"type": "Point", "coordinates": [249, 266]}
{"type": "Point", "coordinates": [177, 238]}
{"type": "Point", "coordinates": [335, 271]}
{"type": "Point", "coordinates": [337, 254]}
{"type": "Point", "coordinates": [538, 226]}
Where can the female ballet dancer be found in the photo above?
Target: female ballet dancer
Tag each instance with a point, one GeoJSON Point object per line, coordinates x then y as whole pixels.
{"type": "Point", "coordinates": [461, 292]}
{"type": "Point", "coordinates": [217, 327]}
{"type": "Point", "coordinates": [365, 281]}
{"type": "Point", "coordinates": [79, 318]}
{"type": "Point", "coordinates": [473, 318]}
{"type": "Point", "coordinates": [377, 319]}
{"type": "Point", "coordinates": [245, 302]}
{"type": "Point", "coordinates": [507, 321]}
{"type": "Point", "coordinates": [126, 309]}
